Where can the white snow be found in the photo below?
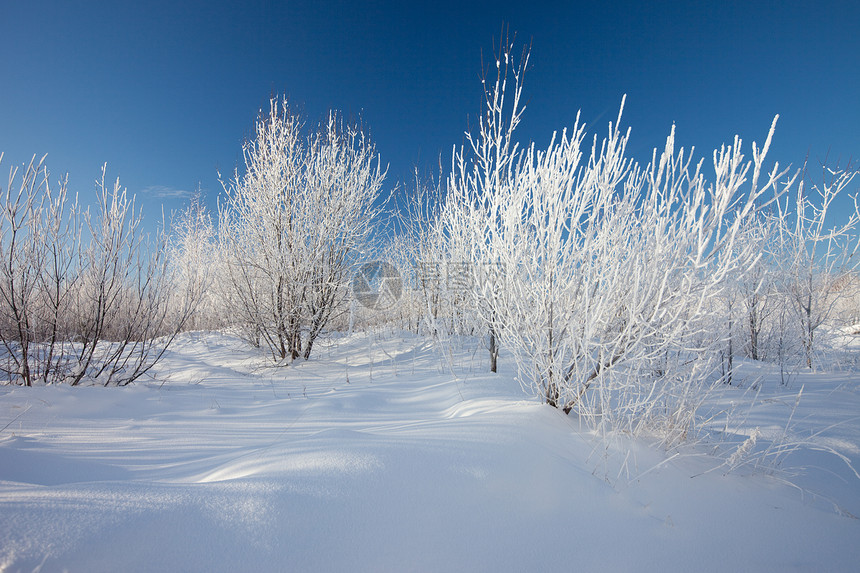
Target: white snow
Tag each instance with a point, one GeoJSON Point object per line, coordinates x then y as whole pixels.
{"type": "Point", "coordinates": [383, 454]}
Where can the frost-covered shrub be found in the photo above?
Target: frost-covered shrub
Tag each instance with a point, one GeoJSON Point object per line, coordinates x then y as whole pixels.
{"type": "Point", "coordinates": [608, 270]}
{"type": "Point", "coordinates": [84, 295]}
{"type": "Point", "coordinates": [291, 225]}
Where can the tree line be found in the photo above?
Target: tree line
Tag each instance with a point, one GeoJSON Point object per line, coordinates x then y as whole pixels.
{"type": "Point", "coordinates": [621, 291]}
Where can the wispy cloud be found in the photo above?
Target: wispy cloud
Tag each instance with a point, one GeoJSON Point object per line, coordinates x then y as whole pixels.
{"type": "Point", "coordinates": [165, 192]}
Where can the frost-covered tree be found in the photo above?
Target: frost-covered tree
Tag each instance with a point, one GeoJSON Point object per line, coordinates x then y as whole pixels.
{"type": "Point", "coordinates": [815, 255]}
{"type": "Point", "coordinates": [413, 249]}
{"type": "Point", "coordinates": [84, 294]}
{"type": "Point", "coordinates": [607, 269]}
{"type": "Point", "coordinates": [194, 265]}
{"type": "Point", "coordinates": [757, 290]}
{"type": "Point", "coordinates": [483, 175]}
{"type": "Point", "coordinates": [39, 238]}
{"type": "Point", "coordinates": [290, 225]}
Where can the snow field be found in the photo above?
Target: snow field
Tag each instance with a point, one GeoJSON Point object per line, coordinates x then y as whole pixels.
{"type": "Point", "coordinates": [381, 454]}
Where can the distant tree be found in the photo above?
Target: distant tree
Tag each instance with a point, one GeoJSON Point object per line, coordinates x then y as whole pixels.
{"type": "Point", "coordinates": [193, 265]}
{"type": "Point", "coordinates": [414, 249]}
{"type": "Point", "coordinates": [757, 289]}
{"type": "Point", "coordinates": [815, 255]}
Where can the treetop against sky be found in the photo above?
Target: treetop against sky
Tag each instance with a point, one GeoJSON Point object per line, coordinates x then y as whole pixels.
{"type": "Point", "coordinates": [166, 91]}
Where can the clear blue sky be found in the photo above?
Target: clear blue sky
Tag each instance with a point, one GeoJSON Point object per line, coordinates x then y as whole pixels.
{"type": "Point", "coordinates": [165, 91]}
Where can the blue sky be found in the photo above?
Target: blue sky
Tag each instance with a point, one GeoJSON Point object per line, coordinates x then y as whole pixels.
{"type": "Point", "coordinates": [165, 91]}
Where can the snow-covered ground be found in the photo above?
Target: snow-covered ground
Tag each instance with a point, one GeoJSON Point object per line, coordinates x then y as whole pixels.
{"type": "Point", "coordinates": [383, 454]}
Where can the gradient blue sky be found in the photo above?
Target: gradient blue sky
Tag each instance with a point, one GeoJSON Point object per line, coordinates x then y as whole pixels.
{"type": "Point", "coordinates": [165, 91]}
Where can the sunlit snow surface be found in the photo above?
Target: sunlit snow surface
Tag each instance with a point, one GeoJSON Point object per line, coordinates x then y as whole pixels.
{"type": "Point", "coordinates": [384, 454]}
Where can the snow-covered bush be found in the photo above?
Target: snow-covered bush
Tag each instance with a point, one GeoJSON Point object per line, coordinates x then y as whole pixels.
{"type": "Point", "coordinates": [757, 292]}
{"type": "Point", "coordinates": [83, 295]}
{"type": "Point", "coordinates": [291, 224]}
{"type": "Point", "coordinates": [745, 312]}
{"type": "Point", "coordinates": [194, 265]}
{"type": "Point", "coordinates": [815, 257]}
{"type": "Point", "coordinates": [608, 270]}
{"type": "Point", "coordinates": [39, 235]}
